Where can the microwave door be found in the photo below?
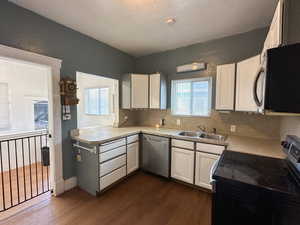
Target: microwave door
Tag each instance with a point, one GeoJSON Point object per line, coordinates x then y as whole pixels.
{"type": "Point", "coordinates": [258, 89]}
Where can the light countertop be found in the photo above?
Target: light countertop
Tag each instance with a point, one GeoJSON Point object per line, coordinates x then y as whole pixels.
{"type": "Point", "coordinates": [257, 146]}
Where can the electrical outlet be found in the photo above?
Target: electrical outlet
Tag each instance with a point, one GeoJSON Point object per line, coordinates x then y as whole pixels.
{"type": "Point", "coordinates": [233, 128]}
{"type": "Point", "coordinates": [178, 122]}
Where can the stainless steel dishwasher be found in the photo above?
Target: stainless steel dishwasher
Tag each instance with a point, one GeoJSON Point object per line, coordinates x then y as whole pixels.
{"type": "Point", "coordinates": [156, 155]}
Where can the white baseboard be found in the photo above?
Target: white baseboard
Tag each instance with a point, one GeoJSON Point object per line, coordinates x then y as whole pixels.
{"type": "Point", "coordinates": [70, 183]}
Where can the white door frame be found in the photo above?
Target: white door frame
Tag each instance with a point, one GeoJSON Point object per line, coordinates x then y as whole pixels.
{"type": "Point", "coordinates": [55, 130]}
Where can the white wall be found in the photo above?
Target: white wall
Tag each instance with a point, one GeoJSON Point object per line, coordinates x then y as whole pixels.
{"type": "Point", "coordinates": [26, 83]}
{"type": "Point", "coordinates": [92, 81]}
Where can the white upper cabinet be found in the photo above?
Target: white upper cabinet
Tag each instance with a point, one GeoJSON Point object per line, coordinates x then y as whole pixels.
{"type": "Point", "coordinates": [245, 77]}
{"type": "Point", "coordinates": [135, 91]}
{"type": "Point", "coordinates": [158, 92]}
{"type": "Point", "coordinates": [155, 91]}
{"type": "Point", "coordinates": [139, 91]}
{"type": "Point", "coordinates": [225, 87]}
{"type": "Point", "coordinates": [274, 37]}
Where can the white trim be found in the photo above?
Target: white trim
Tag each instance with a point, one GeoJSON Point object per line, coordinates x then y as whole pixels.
{"type": "Point", "coordinates": [70, 183]}
{"type": "Point", "coordinates": [54, 66]}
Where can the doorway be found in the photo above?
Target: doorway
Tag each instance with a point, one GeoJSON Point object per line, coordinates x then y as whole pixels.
{"type": "Point", "coordinates": [25, 120]}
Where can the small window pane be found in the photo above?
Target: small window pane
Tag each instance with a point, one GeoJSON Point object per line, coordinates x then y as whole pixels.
{"type": "Point", "coordinates": [97, 101]}
{"type": "Point", "coordinates": [191, 97]}
{"type": "Point", "coordinates": [183, 97]}
{"type": "Point", "coordinates": [104, 101]}
{"type": "Point", "coordinates": [200, 98]}
{"type": "Point", "coordinates": [40, 115]}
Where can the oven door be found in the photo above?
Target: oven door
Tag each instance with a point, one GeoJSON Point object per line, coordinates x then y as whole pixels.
{"type": "Point", "coordinates": [212, 171]}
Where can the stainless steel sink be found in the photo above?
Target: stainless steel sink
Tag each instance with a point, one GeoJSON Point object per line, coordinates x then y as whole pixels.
{"type": "Point", "coordinates": [190, 134]}
{"type": "Point", "coordinates": [216, 137]}
{"type": "Point", "coordinates": [205, 135]}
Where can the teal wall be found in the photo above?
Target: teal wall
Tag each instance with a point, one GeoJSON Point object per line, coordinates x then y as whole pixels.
{"type": "Point", "coordinates": [23, 29]}
{"type": "Point", "coordinates": [221, 51]}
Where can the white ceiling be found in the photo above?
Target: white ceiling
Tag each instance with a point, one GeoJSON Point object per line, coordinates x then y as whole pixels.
{"type": "Point", "coordinates": [138, 26]}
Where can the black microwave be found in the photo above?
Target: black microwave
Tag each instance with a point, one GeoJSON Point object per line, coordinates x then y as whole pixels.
{"type": "Point", "coordinates": [277, 85]}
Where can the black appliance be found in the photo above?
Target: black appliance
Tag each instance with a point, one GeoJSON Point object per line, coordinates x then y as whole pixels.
{"type": "Point", "coordinates": [276, 86]}
{"type": "Point", "coordinates": [291, 146]}
{"type": "Point", "coordinates": [251, 189]}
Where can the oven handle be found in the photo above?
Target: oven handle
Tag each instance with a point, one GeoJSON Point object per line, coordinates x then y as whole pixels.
{"type": "Point", "coordinates": [258, 74]}
{"type": "Point", "coordinates": [212, 170]}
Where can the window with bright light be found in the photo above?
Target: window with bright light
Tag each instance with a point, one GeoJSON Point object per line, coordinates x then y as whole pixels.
{"type": "Point", "coordinates": [97, 101]}
{"type": "Point", "coordinates": [4, 107]}
{"type": "Point", "coordinates": [191, 97]}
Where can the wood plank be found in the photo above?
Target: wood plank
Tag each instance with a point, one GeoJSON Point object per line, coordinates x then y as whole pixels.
{"type": "Point", "coordinates": [142, 199]}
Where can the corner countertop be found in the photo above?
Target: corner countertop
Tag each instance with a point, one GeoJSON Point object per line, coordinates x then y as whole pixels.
{"type": "Point", "coordinates": [256, 146]}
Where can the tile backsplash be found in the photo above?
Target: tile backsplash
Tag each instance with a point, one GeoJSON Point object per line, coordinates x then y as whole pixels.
{"type": "Point", "coordinates": [250, 125]}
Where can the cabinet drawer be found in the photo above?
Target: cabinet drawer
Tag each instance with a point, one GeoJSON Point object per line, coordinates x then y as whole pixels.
{"type": "Point", "coordinates": [183, 144]}
{"type": "Point", "coordinates": [111, 165]}
{"type": "Point", "coordinates": [215, 149]}
{"type": "Point", "coordinates": [132, 138]}
{"type": "Point", "coordinates": [113, 144]}
{"type": "Point", "coordinates": [112, 153]}
{"type": "Point", "coordinates": [111, 178]}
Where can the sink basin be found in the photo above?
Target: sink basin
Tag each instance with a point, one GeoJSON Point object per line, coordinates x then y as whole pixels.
{"type": "Point", "coordinates": [216, 137]}
{"type": "Point", "coordinates": [195, 134]}
{"type": "Point", "coordinates": [190, 134]}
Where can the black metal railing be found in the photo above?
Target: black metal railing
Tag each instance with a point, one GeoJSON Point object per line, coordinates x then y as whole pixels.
{"type": "Point", "coordinates": [24, 168]}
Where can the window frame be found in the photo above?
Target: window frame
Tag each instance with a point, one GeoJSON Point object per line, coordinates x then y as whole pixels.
{"type": "Point", "coordinates": [85, 101]}
{"type": "Point", "coordinates": [192, 80]}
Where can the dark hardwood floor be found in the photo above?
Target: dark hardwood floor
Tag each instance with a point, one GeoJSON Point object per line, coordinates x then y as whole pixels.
{"type": "Point", "coordinates": [142, 199]}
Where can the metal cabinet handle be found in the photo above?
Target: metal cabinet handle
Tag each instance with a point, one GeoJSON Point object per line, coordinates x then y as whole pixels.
{"type": "Point", "coordinates": [257, 101]}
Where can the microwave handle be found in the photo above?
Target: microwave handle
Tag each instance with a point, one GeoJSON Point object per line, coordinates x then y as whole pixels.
{"type": "Point", "coordinates": [259, 72]}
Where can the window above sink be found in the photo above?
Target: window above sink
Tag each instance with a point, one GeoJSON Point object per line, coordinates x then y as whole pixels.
{"type": "Point", "coordinates": [191, 97]}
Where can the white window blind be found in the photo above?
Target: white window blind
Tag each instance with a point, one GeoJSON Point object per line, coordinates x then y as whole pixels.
{"type": "Point", "coordinates": [4, 106]}
{"type": "Point", "coordinates": [97, 101]}
{"type": "Point", "coordinates": [191, 97]}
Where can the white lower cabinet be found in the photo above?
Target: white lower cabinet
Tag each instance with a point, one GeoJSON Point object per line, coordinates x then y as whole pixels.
{"type": "Point", "coordinates": [182, 165]}
{"type": "Point", "coordinates": [132, 157]}
{"type": "Point", "coordinates": [204, 163]}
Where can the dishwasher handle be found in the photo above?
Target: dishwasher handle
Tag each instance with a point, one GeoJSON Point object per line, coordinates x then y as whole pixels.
{"type": "Point", "coordinates": [155, 139]}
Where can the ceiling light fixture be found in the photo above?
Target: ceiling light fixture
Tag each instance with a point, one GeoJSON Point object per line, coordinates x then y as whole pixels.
{"type": "Point", "coordinates": [170, 21]}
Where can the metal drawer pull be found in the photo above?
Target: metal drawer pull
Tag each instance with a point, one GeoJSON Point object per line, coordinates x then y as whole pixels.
{"type": "Point", "coordinates": [92, 150]}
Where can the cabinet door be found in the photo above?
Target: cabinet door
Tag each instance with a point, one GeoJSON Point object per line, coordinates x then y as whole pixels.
{"type": "Point", "coordinates": [274, 37]}
{"type": "Point", "coordinates": [225, 87]}
{"type": "Point", "coordinates": [139, 91]}
{"type": "Point", "coordinates": [204, 163]}
{"type": "Point", "coordinates": [154, 91]}
{"type": "Point", "coordinates": [132, 157]}
{"type": "Point", "coordinates": [245, 77]}
{"type": "Point", "coordinates": [182, 165]}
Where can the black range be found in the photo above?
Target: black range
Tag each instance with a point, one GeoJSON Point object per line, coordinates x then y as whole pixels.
{"type": "Point", "coordinates": [264, 172]}
{"type": "Point", "coordinates": [251, 189]}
